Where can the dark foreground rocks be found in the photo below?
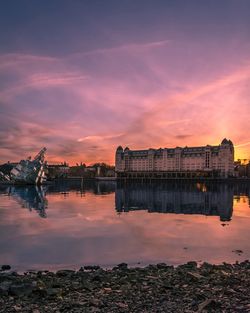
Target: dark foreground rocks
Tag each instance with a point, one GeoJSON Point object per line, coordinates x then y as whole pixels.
{"type": "Point", "coordinates": [155, 288]}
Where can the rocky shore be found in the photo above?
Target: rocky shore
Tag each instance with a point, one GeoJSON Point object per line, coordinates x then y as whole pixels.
{"type": "Point", "coordinates": [155, 288]}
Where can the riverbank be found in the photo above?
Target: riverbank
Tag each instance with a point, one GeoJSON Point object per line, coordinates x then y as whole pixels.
{"type": "Point", "coordinates": [155, 288]}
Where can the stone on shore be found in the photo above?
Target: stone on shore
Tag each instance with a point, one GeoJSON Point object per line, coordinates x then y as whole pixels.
{"type": "Point", "coordinates": [6, 267]}
{"type": "Point", "coordinates": [154, 288]}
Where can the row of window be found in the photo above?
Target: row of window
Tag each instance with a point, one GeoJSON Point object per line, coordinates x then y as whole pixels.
{"type": "Point", "coordinates": [170, 156]}
{"type": "Point", "coordinates": [177, 165]}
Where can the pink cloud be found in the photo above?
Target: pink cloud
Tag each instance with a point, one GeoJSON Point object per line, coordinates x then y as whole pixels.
{"type": "Point", "coordinates": [100, 110]}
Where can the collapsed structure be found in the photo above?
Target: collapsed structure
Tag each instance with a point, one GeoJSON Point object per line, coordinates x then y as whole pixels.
{"type": "Point", "coordinates": [176, 162]}
{"type": "Point", "coordinates": [27, 171]}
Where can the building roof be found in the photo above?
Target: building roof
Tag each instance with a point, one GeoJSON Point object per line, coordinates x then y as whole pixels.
{"type": "Point", "coordinates": [119, 148]}
{"type": "Point", "coordinates": [184, 150]}
{"type": "Point", "coordinates": [226, 142]}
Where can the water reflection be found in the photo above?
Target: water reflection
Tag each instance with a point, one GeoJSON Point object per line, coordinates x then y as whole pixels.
{"type": "Point", "coordinates": [85, 219]}
{"type": "Point", "coordinates": [30, 197]}
{"type": "Point", "coordinates": [179, 198]}
{"type": "Point", "coordinates": [34, 197]}
{"type": "Point", "coordinates": [97, 188]}
{"type": "Point", "coordinates": [209, 200]}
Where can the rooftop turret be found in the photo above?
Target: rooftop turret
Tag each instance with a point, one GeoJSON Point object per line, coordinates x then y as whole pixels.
{"type": "Point", "coordinates": [119, 149]}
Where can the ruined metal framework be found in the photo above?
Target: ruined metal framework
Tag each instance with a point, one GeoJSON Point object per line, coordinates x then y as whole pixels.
{"type": "Point", "coordinates": [28, 171]}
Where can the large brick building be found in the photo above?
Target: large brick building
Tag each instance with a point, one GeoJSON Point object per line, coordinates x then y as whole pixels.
{"type": "Point", "coordinates": [205, 160]}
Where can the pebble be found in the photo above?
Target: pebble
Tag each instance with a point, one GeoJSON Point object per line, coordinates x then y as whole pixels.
{"type": "Point", "coordinates": [155, 288]}
{"type": "Point", "coordinates": [6, 267]}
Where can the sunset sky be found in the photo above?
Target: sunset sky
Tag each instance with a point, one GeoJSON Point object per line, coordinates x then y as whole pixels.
{"type": "Point", "coordinates": [82, 77]}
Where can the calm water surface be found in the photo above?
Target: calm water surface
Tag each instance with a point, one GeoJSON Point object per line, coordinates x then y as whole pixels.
{"type": "Point", "coordinates": [69, 225]}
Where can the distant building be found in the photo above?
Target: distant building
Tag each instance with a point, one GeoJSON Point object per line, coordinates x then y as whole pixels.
{"type": "Point", "coordinates": [242, 169]}
{"type": "Point", "coordinates": [58, 170]}
{"type": "Point", "coordinates": [248, 170]}
{"type": "Point", "coordinates": [206, 159]}
{"type": "Point", "coordinates": [95, 170]}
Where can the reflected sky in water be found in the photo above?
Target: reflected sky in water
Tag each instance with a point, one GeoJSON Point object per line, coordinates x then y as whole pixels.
{"type": "Point", "coordinates": [70, 225]}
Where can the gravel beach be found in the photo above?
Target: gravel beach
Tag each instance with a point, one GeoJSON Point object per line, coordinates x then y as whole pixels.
{"type": "Point", "coordinates": [155, 288]}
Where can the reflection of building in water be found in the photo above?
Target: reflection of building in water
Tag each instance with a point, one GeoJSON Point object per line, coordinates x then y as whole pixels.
{"type": "Point", "coordinates": [81, 187]}
{"type": "Point", "coordinates": [30, 197]}
{"type": "Point", "coordinates": [181, 199]}
{"type": "Point", "coordinates": [34, 197]}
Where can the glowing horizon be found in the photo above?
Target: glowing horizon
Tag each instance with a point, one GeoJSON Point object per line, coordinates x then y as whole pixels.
{"type": "Point", "coordinates": [146, 74]}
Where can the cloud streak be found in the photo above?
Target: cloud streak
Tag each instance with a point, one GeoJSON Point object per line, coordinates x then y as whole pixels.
{"type": "Point", "coordinates": [99, 137]}
{"type": "Point", "coordinates": [128, 48]}
{"type": "Point", "coordinates": [243, 144]}
{"type": "Point", "coordinates": [42, 81]}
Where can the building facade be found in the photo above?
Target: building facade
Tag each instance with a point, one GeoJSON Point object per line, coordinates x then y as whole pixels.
{"type": "Point", "coordinates": [205, 160]}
